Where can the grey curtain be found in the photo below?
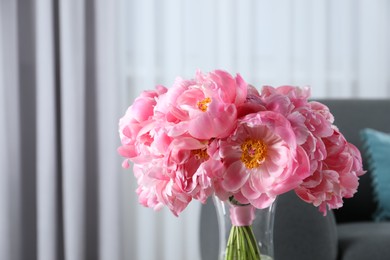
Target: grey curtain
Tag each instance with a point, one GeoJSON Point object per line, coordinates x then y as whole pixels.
{"type": "Point", "coordinates": [60, 192]}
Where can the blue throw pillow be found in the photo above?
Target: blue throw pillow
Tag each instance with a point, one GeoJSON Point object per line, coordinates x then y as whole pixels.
{"type": "Point", "coordinates": [376, 148]}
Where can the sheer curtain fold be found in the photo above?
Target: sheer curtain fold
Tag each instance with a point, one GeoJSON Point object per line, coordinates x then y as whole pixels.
{"type": "Point", "coordinates": [59, 105]}
{"type": "Point", "coordinates": [89, 113]}
{"type": "Point", "coordinates": [108, 81]}
{"type": "Point", "coordinates": [10, 199]}
{"type": "Point", "coordinates": [47, 153]}
{"type": "Point", "coordinates": [72, 84]}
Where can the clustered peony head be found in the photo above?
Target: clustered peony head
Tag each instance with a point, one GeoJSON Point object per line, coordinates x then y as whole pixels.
{"type": "Point", "coordinates": [215, 134]}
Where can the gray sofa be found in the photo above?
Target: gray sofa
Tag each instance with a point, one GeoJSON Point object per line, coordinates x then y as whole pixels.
{"type": "Point", "coordinates": [301, 232]}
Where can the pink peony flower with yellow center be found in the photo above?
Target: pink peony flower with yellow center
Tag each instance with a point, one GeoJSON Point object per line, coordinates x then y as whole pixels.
{"type": "Point", "coordinates": [262, 160]}
{"type": "Point", "coordinates": [208, 100]}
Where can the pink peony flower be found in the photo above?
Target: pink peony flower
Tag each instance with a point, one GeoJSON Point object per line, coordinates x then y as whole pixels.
{"type": "Point", "coordinates": [147, 188]}
{"type": "Point", "coordinates": [310, 121]}
{"type": "Point", "coordinates": [215, 134]}
{"type": "Point", "coordinates": [208, 100]}
{"type": "Point", "coordinates": [137, 118]}
{"type": "Point", "coordinates": [336, 177]}
{"type": "Point", "coordinates": [176, 172]}
{"type": "Point", "coordinates": [156, 188]}
{"type": "Point", "coordinates": [261, 159]}
{"type": "Point", "coordinates": [190, 165]}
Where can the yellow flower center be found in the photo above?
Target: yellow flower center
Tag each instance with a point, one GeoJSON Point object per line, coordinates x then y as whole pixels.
{"type": "Point", "coordinates": [201, 154]}
{"type": "Point", "coordinates": [253, 153]}
{"type": "Point", "coordinates": [204, 104]}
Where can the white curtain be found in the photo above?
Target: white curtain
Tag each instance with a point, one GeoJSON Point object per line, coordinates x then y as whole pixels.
{"type": "Point", "coordinates": [60, 178]}
{"type": "Point", "coordinates": [339, 48]}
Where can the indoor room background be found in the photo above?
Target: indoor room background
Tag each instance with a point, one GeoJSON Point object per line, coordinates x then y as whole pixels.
{"type": "Point", "coordinates": [69, 70]}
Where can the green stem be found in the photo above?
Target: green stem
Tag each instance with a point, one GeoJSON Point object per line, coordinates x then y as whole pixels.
{"type": "Point", "coordinates": [242, 244]}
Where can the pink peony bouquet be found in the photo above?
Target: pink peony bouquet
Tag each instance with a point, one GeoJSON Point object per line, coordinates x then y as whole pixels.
{"type": "Point", "coordinates": [217, 135]}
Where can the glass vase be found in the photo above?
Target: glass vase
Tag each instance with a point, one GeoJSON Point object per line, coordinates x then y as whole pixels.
{"type": "Point", "coordinates": [245, 232]}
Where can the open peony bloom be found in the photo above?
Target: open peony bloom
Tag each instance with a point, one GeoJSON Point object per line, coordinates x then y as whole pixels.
{"type": "Point", "coordinates": [215, 134]}
{"type": "Point", "coordinates": [208, 100]}
{"type": "Point", "coordinates": [262, 159]}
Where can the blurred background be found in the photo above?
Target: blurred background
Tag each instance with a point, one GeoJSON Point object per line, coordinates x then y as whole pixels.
{"type": "Point", "coordinates": [69, 69]}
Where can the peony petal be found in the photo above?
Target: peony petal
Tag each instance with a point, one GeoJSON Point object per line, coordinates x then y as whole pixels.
{"type": "Point", "coordinates": [273, 169]}
{"type": "Point", "coordinates": [127, 151]}
{"type": "Point", "coordinates": [241, 90]}
{"type": "Point", "coordinates": [263, 201]}
{"type": "Point", "coordinates": [241, 198]}
{"type": "Point", "coordinates": [278, 156]}
{"type": "Point", "coordinates": [235, 177]}
{"type": "Point", "coordinates": [260, 179]}
{"type": "Point", "coordinates": [202, 127]}
{"type": "Point", "coordinates": [249, 193]}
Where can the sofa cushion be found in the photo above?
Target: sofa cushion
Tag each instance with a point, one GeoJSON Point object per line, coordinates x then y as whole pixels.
{"type": "Point", "coordinates": [364, 240]}
{"type": "Point", "coordinates": [376, 149]}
